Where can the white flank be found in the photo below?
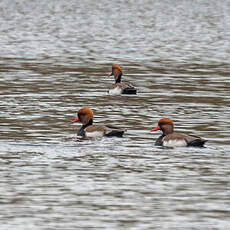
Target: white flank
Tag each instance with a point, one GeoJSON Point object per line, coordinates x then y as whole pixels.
{"type": "Point", "coordinates": [174, 143]}
{"type": "Point", "coordinates": [115, 91]}
{"type": "Point", "coordinates": [94, 134]}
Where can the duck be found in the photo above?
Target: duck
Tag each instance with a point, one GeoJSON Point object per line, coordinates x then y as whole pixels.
{"type": "Point", "coordinates": [169, 138]}
{"type": "Point", "coordinates": [120, 87]}
{"type": "Point", "coordinates": [89, 130]}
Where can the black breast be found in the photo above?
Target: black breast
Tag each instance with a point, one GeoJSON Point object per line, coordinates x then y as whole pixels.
{"type": "Point", "coordinates": [81, 131]}
{"type": "Point", "coordinates": [159, 141]}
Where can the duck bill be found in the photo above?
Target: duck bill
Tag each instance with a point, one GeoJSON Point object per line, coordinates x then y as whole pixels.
{"type": "Point", "coordinates": [110, 74]}
{"type": "Point", "coordinates": [75, 120]}
{"type": "Point", "coordinates": [155, 129]}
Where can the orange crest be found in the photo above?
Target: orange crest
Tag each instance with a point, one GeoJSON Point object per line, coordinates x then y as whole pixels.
{"type": "Point", "coordinates": [165, 121]}
{"type": "Point", "coordinates": [86, 111]}
{"type": "Point", "coordinates": [116, 66]}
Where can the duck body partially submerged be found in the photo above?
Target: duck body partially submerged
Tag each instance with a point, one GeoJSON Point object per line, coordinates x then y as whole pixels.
{"type": "Point", "coordinates": [120, 87]}
{"type": "Point", "coordinates": [89, 130]}
{"type": "Point", "coordinates": [169, 138]}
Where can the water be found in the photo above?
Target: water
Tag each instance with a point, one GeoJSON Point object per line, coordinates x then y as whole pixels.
{"type": "Point", "coordinates": [54, 59]}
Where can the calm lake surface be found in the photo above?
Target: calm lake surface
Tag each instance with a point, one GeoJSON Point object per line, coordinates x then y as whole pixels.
{"type": "Point", "coordinates": [55, 57]}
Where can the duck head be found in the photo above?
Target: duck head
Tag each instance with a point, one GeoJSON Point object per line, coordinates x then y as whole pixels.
{"type": "Point", "coordinates": [165, 125]}
{"type": "Point", "coordinates": [85, 116]}
{"type": "Point", "coordinates": [116, 72]}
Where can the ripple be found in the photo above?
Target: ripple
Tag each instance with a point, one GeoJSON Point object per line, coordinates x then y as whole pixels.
{"type": "Point", "coordinates": [55, 57]}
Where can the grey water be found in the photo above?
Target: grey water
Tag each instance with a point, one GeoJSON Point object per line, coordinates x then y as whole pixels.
{"type": "Point", "coordinates": [55, 57]}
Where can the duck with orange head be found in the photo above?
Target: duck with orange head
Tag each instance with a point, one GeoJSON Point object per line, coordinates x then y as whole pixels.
{"type": "Point", "coordinates": [169, 138]}
{"type": "Point", "coordinates": [120, 87]}
{"type": "Point", "coordinates": [89, 130]}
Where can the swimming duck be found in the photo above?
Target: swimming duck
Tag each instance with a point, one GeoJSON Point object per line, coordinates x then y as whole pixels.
{"type": "Point", "coordinates": [120, 87]}
{"type": "Point", "coordinates": [85, 116]}
{"type": "Point", "coordinates": [169, 138]}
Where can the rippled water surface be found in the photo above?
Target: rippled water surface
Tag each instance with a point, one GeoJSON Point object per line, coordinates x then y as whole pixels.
{"type": "Point", "coordinates": [54, 59]}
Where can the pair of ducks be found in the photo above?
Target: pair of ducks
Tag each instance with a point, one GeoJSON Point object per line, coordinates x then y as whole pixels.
{"type": "Point", "coordinates": [169, 138]}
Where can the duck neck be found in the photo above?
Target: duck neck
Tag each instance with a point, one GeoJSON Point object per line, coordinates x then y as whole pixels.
{"type": "Point", "coordinates": [118, 79]}
{"type": "Point", "coordinates": [167, 129]}
{"type": "Point", "coordinates": [166, 133]}
{"type": "Point", "coordinates": [81, 132]}
{"type": "Point", "coordinates": [88, 124]}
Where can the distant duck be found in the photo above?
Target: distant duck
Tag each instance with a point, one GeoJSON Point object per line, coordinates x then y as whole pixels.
{"type": "Point", "coordinates": [169, 138]}
{"type": "Point", "coordinates": [88, 130]}
{"type": "Point", "coordinates": [120, 87]}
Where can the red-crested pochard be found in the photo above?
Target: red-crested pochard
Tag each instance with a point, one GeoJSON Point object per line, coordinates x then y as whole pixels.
{"type": "Point", "coordinates": [120, 87]}
{"type": "Point", "coordinates": [169, 138]}
{"type": "Point", "coordinates": [85, 116]}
